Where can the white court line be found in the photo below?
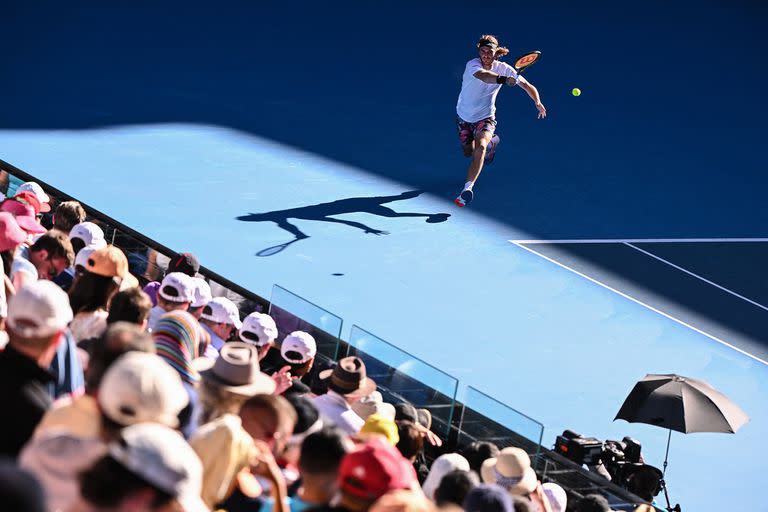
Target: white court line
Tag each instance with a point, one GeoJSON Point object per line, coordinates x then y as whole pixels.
{"type": "Point", "coordinates": [666, 315]}
{"type": "Point", "coordinates": [639, 240]}
{"type": "Point", "coordinates": [723, 288]}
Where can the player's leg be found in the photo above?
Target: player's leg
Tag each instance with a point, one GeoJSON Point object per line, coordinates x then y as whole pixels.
{"type": "Point", "coordinates": [483, 133]}
{"type": "Point", "coordinates": [466, 137]}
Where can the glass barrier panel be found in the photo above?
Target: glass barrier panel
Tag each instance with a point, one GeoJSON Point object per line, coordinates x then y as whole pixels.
{"type": "Point", "coordinates": [294, 313]}
{"type": "Point", "coordinates": [483, 418]}
{"type": "Point", "coordinates": [402, 377]}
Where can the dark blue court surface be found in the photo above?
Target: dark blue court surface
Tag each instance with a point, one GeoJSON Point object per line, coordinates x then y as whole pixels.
{"type": "Point", "coordinates": [314, 146]}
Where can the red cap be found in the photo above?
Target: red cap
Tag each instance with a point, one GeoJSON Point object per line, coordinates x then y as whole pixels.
{"type": "Point", "coordinates": [374, 469]}
{"type": "Point", "coordinates": [31, 199]}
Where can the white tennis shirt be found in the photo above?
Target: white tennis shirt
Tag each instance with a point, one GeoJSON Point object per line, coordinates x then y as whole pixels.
{"type": "Point", "coordinates": [477, 99]}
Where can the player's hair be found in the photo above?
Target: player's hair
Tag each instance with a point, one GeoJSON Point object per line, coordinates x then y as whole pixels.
{"type": "Point", "coordinates": [488, 38]}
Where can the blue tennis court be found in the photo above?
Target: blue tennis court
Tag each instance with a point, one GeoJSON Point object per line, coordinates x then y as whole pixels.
{"type": "Point", "coordinates": [623, 235]}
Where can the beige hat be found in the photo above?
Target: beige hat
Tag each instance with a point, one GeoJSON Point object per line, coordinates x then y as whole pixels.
{"type": "Point", "coordinates": [236, 370]}
{"type": "Point", "coordinates": [511, 470]}
{"type": "Point", "coordinates": [141, 387]}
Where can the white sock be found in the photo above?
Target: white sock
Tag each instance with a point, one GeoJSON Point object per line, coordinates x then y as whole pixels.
{"type": "Point", "coordinates": [468, 185]}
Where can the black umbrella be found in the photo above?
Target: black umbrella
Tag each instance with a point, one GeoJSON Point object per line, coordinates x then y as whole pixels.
{"type": "Point", "coordinates": [681, 404]}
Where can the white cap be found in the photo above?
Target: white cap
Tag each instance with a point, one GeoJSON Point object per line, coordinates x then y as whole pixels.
{"type": "Point", "coordinates": [177, 287]}
{"type": "Point", "coordinates": [298, 347]}
{"type": "Point", "coordinates": [558, 499]}
{"type": "Point", "coordinates": [89, 233]}
{"type": "Point", "coordinates": [83, 255]}
{"type": "Point", "coordinates": [222, 311]}
{"type": "Point", "coordinates": [163, 458]}
{"type": "Point", "coordinates": [258, 329]}
{"type": "Point", "coordinates": [38, 310]}
{"type": "Point", "coordinates": [140, 387]}
{"type": "Point", "coordinates": [441, 466]}
{"type": "Point", "coordinates": [202, 292]}
{"type": "Point", "coordinates": [36, 189]}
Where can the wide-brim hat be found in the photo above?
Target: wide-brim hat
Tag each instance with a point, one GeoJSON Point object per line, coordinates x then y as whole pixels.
{"type": "Point", "coordinates": [349, 378]}
{"type": "Point", "coordinates": [511, 470]}
{"type": "Point", "coordinates": [236, 370]}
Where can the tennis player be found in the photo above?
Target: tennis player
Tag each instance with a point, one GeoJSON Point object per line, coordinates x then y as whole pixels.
{"type": "Point", "coordinates": [476, 108]}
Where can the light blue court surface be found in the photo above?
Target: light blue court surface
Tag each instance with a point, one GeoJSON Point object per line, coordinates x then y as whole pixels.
{"type": "Point", "coordinates": [232, 130]}
{"type": "Point", "coordinates": [453, 291]}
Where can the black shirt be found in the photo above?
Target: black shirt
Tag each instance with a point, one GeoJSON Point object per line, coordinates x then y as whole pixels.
{"type": "Point", "coordinates": [24, 398]}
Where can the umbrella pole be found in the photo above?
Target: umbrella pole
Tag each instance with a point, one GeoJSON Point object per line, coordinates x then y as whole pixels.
{"type": "Point", "coordinates": [666, 456]}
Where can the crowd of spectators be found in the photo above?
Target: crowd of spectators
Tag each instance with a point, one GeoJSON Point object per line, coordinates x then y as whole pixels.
{"type": "Point", "coordinates": [146, 392]}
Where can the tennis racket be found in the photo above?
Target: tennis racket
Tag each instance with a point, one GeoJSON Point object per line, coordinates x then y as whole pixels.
{"type": "Point", "coordinates": [526, 60]}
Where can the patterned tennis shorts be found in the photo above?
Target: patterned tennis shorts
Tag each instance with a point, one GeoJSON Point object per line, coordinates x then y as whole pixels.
{"type": "Point", "coordinates": [468, 131]}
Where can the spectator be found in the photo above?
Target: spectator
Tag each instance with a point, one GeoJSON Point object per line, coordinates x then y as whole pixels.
{"type": "Point", "coordinates": [369, 472]}
{"type": "Point", "coordinates": [403, 501]}
{"type": "Point", "coordinates": [105, 273]}
{"type": "Point", "coordinates": [321, 455]}
{"type": "Point", "coordinates": [524, 504]}
{"type": "Point", "coordinates": [37, 191]}
{"type": "Point", "coordinates": [137, 388]}
{"type": "Point", "coordinates": [441, 466]}
{"type": "Point", "coordinates": [11, 236]}
{"type": "Point", "coordinates": [148, 469]}
{"type": "Point", "coordinates": [25, 210]}
{"type": "Point", "coordinates": [220, 317]}
{"type": "Point", "coordinates": [454, 487]}
{"type": "Point", "coordinates": [177, 341]}
{"type": "Point", "coordinates": [132, 306]}
{"type": "Point", "coordinates": [644, 482]}
{"type": "Point", "coordinates": [411, 445]}
{"type": "Point", "coordinates": [558, 500]}
{"type": "Point", "coordinates": [488, 498]}
{"type": "Point", "coordinates": [592, 503]}
{"type": "Point", "coordinates": [478, 452]}
{"type": "Point", "coordinates": [374, 404]}
{"type": "Point", "coordinates": [511, 470]}
{"type": "Point", "coordinates": [19, 489]}
{"type": "Point", "coordinates": [176, 293]}
{"type": "Point", "coordinates": [406, 411]}
{"type": "Point", "coordinates": [67, 215]}
{"type": "Point", "coordinates": [298, 351]}
{"type": "Point", "coordinates": [86, 234]}
{"type": "Point", "coordinates": [347, 383]}
{"type": "Point", "coordinates": [202, 296]}
{"type": "Point", "coordinates": [37, 319]}
{"type": "Point", "coordinates": [259, 330]}
{"type": "Point", "coordinates": [186, 263]}
{"type": "Point", "coordinates": [381, 426]}
{"type": "Point", "coordinates": [307, 422]}
{"type": "Point", "coordinates": [229, 380]}
{"type": "Point", "coordinates": [271, 419]}
{"type": "Point", "coordinates": [45, 259]}
{"type": "Point", "coordinates": [226, 452]}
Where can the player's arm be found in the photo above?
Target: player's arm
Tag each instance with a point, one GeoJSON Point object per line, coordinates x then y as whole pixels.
{"type": "Point", "coordinates": [534, 94]}
{"type": "Point", "coordinates": [489, 77]}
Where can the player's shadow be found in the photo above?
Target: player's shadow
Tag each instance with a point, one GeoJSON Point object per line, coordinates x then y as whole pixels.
{"type": "Point", "coordinates": [324, 212]}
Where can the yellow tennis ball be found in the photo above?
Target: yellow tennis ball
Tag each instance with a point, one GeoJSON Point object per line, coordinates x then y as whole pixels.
{"type": "Point", "coordinates": [576, 91]}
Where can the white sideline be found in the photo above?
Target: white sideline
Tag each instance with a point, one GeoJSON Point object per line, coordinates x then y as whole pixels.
{"type": "Point", "coordinates": [641, 241]}
{"type": "Point", "coordinates": [697, 276]}
{"type": "Point", "coordinates": [666, 315]}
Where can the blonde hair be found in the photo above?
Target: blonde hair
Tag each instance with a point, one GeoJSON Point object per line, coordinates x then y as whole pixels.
{"type": "Point", "coordinates": [489, 38]}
